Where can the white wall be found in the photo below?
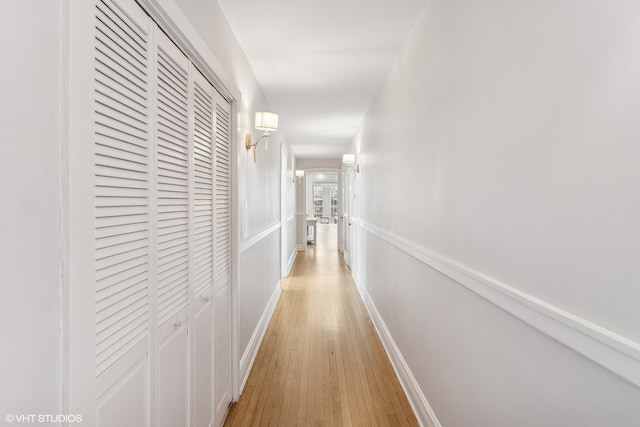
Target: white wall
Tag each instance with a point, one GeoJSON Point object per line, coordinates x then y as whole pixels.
{"type": "Point", "coordinates": [259, 183]}
{"type": "Point", "coordinates": [30, 224]}
{"type": "Point", "coordinates": [498, 192]}
{"type": "Point", "coordinates": [328, 164]}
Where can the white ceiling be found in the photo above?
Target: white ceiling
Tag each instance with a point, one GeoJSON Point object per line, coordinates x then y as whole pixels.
{"type": "Point", "coordinates": [320, 63]}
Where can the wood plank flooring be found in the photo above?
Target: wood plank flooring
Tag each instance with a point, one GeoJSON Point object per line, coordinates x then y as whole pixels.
{"type": "Point", "coordinates": [321, 362]}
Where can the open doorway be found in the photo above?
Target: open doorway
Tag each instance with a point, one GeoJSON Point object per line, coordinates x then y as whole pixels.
{"type": "Point", "coordinates": [322, 208]}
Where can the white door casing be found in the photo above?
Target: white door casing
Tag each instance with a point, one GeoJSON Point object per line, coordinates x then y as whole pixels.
{"type": "Point", "coordinates": [347, 191]}
{"type": "Point", "coordinates": [284, 183]}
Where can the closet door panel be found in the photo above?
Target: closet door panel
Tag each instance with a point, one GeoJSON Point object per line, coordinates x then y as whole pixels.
{"type": "Point", "coordinates": [172, 178]}
{"type": "Point", "coordinates": [203, 184]}
{"type": "Point", "coordinates": [172, 258]}
{"type": "Point", "coordinates": [203, 160]}
{"type": "Point", "coordinates": [222, 259]}
{"type": "Point", "coordinates": [122, 407]}
{"type": "Point", "coordinates": [172, 381]}
{"type": "Point", "coordinates": [203, 365]}
{"type": "Point", "coordinates": [222, 353]}
{"type": "Point", "coordinates": [122, 103]}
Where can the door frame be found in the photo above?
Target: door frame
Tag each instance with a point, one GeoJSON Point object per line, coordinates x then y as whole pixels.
{"type": "Point", "coordinates": [284, 184]}
{"type": "Point", "coordinates": [306, 194]}
{"type": "Point", "coordinates": [347, 192]}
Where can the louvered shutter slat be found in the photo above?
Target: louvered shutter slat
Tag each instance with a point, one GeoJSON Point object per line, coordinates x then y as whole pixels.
{"type": "Point", "coordinates": [108, 136]}
{"type": "Point", "coordinates": [132, 101]}
{"type": "Point", "coordinates": [222, 231]}
{"type": "Point", "coordinates": [172, 186]}
{"type": "Point", "coordinates": [113, 306]}
{"type": "Point", "coordinates": [121, 185]}
{"type": "Point", "coordinates": [108, 356]}
{"type": "Point", "coordinates": [108, 96]}
{"type": "Point", "coordinates": [127, 267]}
{"type": "Point", "coordinates": [107, 83]}
{"type": "Point", "coordinates": [121, 48]}
{"type": "Point", "coordinates": [110, 15]}
{"type": "Point", "coordinates": [130, 312]}
{"type": "Point", "coordinates": [203, 186]}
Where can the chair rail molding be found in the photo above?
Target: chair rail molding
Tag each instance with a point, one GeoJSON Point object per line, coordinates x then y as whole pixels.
{"type": "Point", "coordinates": [610, 350]}
{"type": "Point", "coordinates": [248, 243]}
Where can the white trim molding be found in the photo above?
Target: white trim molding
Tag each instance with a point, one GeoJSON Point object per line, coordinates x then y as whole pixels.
{"type": "Point", "coordinates": [421, 407]}
{"type": "Point", "coordinates": [256, 238]}
{"type": "Point", "coordinates": [250, 353]}
{"type": "Point", "coordinates": [171, 19]}
{"type": "Point", "coordinates": [610, 350]}
{"type": "Point", "coordinates": [290, 262]}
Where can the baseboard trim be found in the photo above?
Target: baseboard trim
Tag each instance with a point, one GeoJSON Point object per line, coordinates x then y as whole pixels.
{"type": "Point", "coordinates": [249, 356]}
{"type": "Point", "coordinates": [608, 349]}
{"type": "Point", "coordinates": [290, 262]}
{"type": "Point", "coordinates": [422, 409]}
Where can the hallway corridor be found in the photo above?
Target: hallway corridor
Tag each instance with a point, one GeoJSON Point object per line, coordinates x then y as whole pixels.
{"type": "Point", "coordinates": [321, 362]}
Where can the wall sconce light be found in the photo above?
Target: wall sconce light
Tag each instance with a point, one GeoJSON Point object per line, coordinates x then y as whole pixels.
{"type": "Point", "coordinates": [349, 160]}
{"type": "Point", "coordinates": [299, 175]}
{"type": "Point", "coordinates": [265, 122]}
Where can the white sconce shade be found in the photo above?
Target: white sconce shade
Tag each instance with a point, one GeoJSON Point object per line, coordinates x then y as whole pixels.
{"type": "Point", "coordinates": [349, 159]}
{"type": "Point", "coordinates": [299, 173]}
{"type": "Point", "coordinates": [266, 121]}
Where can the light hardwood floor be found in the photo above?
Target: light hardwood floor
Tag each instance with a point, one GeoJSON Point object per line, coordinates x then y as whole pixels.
{"type": "Point", "coordinates": [321, 362]}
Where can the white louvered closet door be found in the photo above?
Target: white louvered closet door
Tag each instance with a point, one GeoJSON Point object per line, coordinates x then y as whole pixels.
{"type": "Point", "coordinates": [203, 160]}
{"type": "Point", "coordinates": [162, 230]}
{"type": "Point", "coordinates": [222, 256]}
{"type": "Point", "coordinates": [172, 261]}
{"type": "Point", "coordinates": [122, 218]}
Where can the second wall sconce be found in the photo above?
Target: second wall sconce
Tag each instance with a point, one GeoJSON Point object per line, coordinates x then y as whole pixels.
{"type": "Point", "coordinates": [349, 160]}
{"type": "Point", "coordinates": [299, 175]}
{"type": "Point", "coordinates": [266, 122]}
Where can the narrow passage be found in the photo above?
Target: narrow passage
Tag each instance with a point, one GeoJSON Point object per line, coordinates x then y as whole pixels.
{"type": "Point", "coordinates": [321, 362]}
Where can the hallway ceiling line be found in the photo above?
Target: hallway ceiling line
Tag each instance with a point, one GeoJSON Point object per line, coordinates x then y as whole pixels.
{"type": "Point", "coordinates": [320, 64]}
